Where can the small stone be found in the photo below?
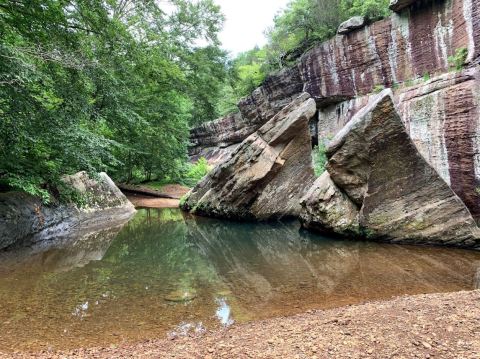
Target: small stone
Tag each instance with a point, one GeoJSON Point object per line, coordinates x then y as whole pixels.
{"type": "Point", "coordinates": [426, 345]}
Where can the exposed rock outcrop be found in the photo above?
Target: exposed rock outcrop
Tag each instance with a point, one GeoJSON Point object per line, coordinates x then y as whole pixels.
{"type": "Point", "coordinates": [416, 41]}
{"type": "Point", "coordinates": [397, 5]}
{"type": "Point", "coordinates": [352, 24]}
{"type": "Point", "coordinates": [24, 218]}
{"type": "Point", "coordinates": [399, 196]}
{"type": "Point", "coordinates": [442, 117]}
{"type": "Point", "coordinates": [267, 174]}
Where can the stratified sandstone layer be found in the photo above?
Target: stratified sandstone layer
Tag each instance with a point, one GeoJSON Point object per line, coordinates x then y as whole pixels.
{"type": "Point", "coordinates": [267, 174]}
{"type": "Point", "coordinates": [442, 117]}
{"type": "Point", "coordinates": [24, 218]}
{"type": "Point", "coordinates": [399, 196]}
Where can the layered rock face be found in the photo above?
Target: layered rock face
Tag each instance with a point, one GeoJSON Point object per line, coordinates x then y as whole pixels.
{"type": "Point", "coordinates": [266, 175]}
{"type": "Point", "coordinates": [415, 41]}
{"type": "Point", "coordinates": [382, 188]}
{"type": "Point", "coordinates": [409, 44]}
{"type": "Point", "coordinates": [24, 218]}
{"type": "Point", "coordinates": [216, 140]}
{"type": "Point", "coordinates": [442, 117]}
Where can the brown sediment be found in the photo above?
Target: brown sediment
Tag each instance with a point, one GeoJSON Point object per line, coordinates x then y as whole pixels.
{"type": "Point", "coordinates": [433, 325]}
{"type": "Point", "coordinates": [140, 201]}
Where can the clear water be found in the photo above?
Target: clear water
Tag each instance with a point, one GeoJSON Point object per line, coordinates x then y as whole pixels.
{"type": "Point", "coordinates": [164, 274]}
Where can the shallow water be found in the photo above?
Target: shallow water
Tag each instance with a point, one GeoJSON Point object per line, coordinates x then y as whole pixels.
{"type": "Point", "coordinates": [164, 274]}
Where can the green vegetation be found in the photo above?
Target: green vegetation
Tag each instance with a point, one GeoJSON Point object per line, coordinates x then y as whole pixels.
{"type": "Point", "coordinates": [104, 85]}
{"type": "Point", "coordinates": [296, 29]}
{"type": "Point", "coordinates": [458, 60]}
{"type": "Point", "coordinates": [196, 172]}
{"type": "Point", "coordinates": [426, 77]}
{"type": "Point", "coordinates": [319, 159]}
{"type": "Point", "coordinates": [378, 88]}
{"type": "Point", "coordinates": [116, 85]}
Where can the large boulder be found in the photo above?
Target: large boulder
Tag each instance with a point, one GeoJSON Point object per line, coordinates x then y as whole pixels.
{"type": "Point", "coordinates": [398, 195]}
{"type": "Point", "coordinates": [398, 5]}
{"type": "Point", "coordinates": [24, 218]}
{"type": "Point", "coordinates": [266, 175]}
{"type": "Point", "coordinates": [352, 24]}
{"type": "Point", "coordinates": [327, 209]}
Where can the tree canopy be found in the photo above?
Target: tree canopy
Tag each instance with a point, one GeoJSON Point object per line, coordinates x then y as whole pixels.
{"type": "Point", "coordinates": [104, 85]}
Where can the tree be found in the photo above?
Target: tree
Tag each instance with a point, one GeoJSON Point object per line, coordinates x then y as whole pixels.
{"type": "Point", "coordinates": [103, 85]}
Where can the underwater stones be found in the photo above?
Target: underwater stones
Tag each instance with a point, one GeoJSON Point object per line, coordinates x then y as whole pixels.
{"type": "Point", "coordinates": [181, 296]}
{"type": "Point", "coordinates": [352, 24]}
{"type": "Point", "coordinates": [266, 176]}
{"type": "Point", "coordinates": [398, 195]}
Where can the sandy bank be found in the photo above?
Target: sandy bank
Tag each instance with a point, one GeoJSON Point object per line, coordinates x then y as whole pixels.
{"type": "Point", "coordinates": [423, 326]}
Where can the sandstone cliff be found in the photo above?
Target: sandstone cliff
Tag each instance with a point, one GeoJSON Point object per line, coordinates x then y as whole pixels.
{"type": "Point", "coordinates": [409, 52]}
{"type": "Point", "coordinates": [266, 175]}
{"type": "Point", "coordinates": [379, 186]}
{"type": "Point", "coordinates": [24, 219]}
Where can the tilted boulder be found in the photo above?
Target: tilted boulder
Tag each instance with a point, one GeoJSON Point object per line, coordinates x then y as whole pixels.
{"type": "Point", "coordinates": [352, 24]}
{"type": "Point", "coordinates": [266, 175]}
{"type": "Point", "coordinates": [327, 209]}
{"type": "Point", "coordinates": [398, 195]}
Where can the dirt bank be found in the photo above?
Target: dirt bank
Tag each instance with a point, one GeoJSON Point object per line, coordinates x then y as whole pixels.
{"type": "Point", "coordinates": [423, 326]}
{"type": "Point", "coordinates": [144, 201]}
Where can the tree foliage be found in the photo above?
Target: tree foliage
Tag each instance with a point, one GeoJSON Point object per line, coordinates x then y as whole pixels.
{"type": "Point", "coordinates": [295, 29]}
{"type": "Point", "coordinates": [104, 85]}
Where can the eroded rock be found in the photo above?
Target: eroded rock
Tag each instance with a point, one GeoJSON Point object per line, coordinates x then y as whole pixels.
{"type": "Point", "coordinates": [400, 197]}
{"type": "Point", "coordinates": [24, 217]}
{"type": "Point", "coordinates": [325, 208]}
{"type": "Point", "coordinates": [352, 24]}
{"type": "Point", "coordinates": [398, 5]}
{"type": "Point", "coordinates": [266, 175]}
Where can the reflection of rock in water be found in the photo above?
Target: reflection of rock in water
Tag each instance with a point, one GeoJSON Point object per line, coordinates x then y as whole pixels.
{"type": "Point", "coordinates": [265, 262]}
{"type": "Point", "coordinates": [72, 250]}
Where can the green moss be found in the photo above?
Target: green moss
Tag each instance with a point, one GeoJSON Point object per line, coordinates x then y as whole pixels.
{"type": "Point", "coordinates": [378, 88]}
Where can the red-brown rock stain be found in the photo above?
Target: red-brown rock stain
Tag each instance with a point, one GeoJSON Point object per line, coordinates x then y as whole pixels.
{"type": "Point", "coordinates": [461, 114]}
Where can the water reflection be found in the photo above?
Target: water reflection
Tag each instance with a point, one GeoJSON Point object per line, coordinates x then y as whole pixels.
{"type": "Point", "coordinates": [129, 283]}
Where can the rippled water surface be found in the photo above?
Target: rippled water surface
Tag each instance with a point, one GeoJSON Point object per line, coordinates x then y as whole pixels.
{"type": "Point", "coordinates": [166, 274]}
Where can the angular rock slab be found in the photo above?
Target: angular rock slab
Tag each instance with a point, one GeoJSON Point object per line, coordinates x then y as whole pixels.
{"type": "Point", "coordinates": [325, 208]}
{"type": "Point", "coordinates": [400, 197]}
{"type": "Point", "coordinates": [266, 175]}
{"type": "Point", "coordinates": [352, 24]}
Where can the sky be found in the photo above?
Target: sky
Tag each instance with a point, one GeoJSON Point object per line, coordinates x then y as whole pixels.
{"type": "Point", "coordinates": [246, 21]}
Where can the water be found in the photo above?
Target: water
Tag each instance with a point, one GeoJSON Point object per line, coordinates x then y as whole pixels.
{"type": "Point", "coordinates": [164, 274]}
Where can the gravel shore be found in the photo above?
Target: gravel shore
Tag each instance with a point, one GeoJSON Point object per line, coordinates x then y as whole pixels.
{"type": "Point", "coordinates": [422, 326]}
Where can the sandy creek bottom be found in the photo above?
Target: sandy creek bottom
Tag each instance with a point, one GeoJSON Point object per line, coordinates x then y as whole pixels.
{"type": "Point", "coordinates": [164, 274]}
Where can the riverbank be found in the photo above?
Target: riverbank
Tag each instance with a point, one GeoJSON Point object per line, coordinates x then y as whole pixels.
{"type": "Point", "coordinates": [422, 326]}
{"type": "Point", "coordinates": [174, 191]}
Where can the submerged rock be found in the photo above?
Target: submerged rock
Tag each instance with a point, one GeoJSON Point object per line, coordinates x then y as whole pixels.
{"type": "Point", "coordinates": [266, 175]}
{"type": "Point", "coordinates": [26, 218]}
{"type": "Point", "coordinates": [352, 24]}
{"type": "Point", "coordinates": [181, 296]}
{"type": "Point", "coordinates": [399, 197]}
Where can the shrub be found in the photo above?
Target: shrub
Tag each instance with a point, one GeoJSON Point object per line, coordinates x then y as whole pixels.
{"type": "Point", "coordinates": [319, 159]}
{"type": "Point", "coordinates": [196, 172]}
{"type": "Point", "coordinates": [458, 60]}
